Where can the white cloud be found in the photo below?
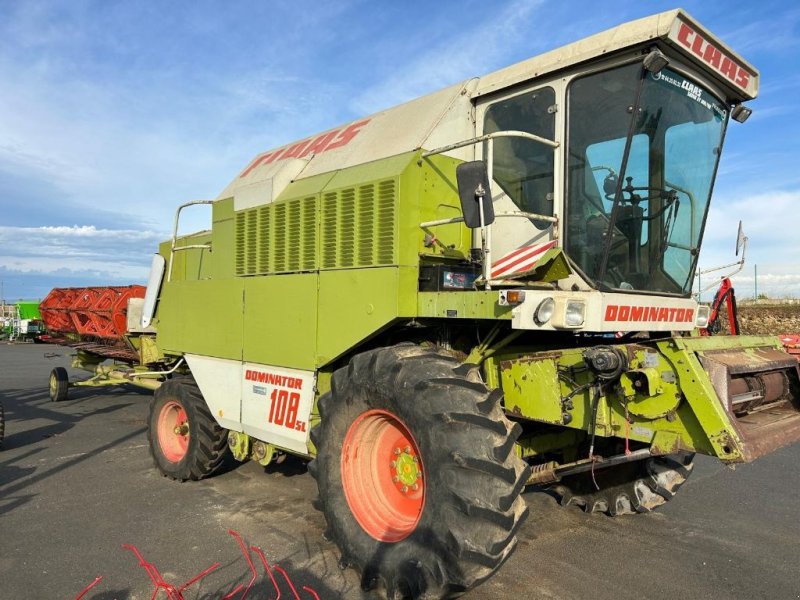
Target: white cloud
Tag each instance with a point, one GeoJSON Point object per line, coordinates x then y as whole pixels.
{"type": "Point", "coordinates": [773, 280]}
{"type": "Point", "coordinates": [49, 249]}
{"type": "Point", "coordinates": [770, 222]}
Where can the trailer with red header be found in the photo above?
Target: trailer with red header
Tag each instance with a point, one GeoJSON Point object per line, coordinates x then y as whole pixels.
{"type": "Point", "coordinates": [101, 324]}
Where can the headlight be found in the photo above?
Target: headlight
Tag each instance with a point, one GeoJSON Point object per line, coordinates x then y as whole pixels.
{"type": "Point", "coordinates": [575, 313]}
{"type": "Point", "coordinates": [544, 311]}
{"type": "Point", "coordinates": [703, 312]}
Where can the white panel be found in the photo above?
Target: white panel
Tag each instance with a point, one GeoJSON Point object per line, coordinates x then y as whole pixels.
{"type": "Point", "coordinates": [153, 287]}
{"type": "Point", "coordinates": [220, 382]}
{"type": "Point", "coordinates": [272, 404]}
{"type": "Point", "coordinates": [612, 313]}
{"type": "Point", "coordinates": [442, 117]}
{"type": "Point", "coordinates": [270, 184]}
{"type": "Point", "coordinates": [276, 405]}
{"type": "Point", "coordinates": [134, 317]}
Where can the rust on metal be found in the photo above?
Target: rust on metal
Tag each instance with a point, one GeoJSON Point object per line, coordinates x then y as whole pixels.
{"type": "Point", "coordinates": [543, 474]}
{"type": "Point", "coordinates": [768, 430]}
{"type": "Point", "coordinates": [760, 390]}
{"type": "Point", "coordinates": [530, 359]}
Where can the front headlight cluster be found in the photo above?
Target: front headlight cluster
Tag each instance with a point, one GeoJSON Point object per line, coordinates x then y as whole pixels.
{"type": "Point", "coordinates": [544, 312]}
{"type": "Point", "coordinates": [563, 312]}
{"type": "Point", "coordinates": [703, 313]}
{"type": "Point", "coordinates": [574, 313]}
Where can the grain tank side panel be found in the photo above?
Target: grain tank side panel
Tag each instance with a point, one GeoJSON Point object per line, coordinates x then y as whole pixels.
{"type": "Point", "coordinates": [201, 317]}
{"type": "Point", "coordinates": [356, 303]}
{"type": "Point", "coordinates": [280, 320]}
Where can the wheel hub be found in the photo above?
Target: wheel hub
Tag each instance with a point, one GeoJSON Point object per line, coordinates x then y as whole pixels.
{"type": "Point", "coordinates": [173, 431]}
{"type": "Point", "coordinates": [386, 502]}
{"type": "Point", "coordinates": [406, 470]}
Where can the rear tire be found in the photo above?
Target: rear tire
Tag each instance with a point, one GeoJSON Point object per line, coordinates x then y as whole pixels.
{"type": "Point", "coordinates": [59, 384]}
{"type": "Point", "coordinates": [430, 421]}
{"type": "Point", "coordinates": [637, 487]}
{"type": "Point", "coordinates": [185, 440]}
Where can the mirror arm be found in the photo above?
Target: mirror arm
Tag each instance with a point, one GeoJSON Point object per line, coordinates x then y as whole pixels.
{"type": "Point", "coordinates": [486, 232]}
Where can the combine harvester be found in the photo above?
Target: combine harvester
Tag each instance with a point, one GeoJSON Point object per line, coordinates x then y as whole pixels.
{"type": "Point", "coordinates": [427, 304]}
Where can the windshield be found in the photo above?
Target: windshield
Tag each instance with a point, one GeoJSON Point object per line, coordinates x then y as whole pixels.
{"type": "Point", "coordinates": [639, 185]}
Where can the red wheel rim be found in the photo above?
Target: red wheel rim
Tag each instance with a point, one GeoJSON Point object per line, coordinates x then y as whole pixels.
{"type": "Point", "coordinates": [382, 476]}
{"type": "Point", "coordinates": [173, 431]}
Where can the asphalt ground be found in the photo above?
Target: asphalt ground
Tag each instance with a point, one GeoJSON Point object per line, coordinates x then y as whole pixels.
{"type": "Point", "coordinates": [77, 482]}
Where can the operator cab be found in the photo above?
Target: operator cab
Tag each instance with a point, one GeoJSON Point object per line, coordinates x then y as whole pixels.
{"type": "Point", "coordinates": [624, 189]}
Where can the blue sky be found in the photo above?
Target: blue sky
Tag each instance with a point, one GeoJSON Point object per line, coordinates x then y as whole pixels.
{"type": "Point", "coordinates": [112, 113]}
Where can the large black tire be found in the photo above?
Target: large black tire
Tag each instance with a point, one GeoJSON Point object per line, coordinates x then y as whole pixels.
{"type": "Point", "coordinates": [467, 525]}
{"type": "Point", "coordinates": [2, 425]}
{"type": "Point", "coordinates": [636, 487]}
{"type": "Point", "coordinates": [185, 440]}
{"type": "Point", "coordinates": [59, 384]}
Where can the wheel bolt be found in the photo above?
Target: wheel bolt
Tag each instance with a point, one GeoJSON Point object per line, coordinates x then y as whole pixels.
{"type": "Point", "coordinates": [393, 463]}
{"type": "Point", "coordinates": [419, 475]}
{"type": "Point", "coordinates": [416, 460]}
{"type": "Point", "coordinates": [397, 451]}
{"type": "Point", "coordinates": [395, 479]}
{"type": "Point", "coordinates": [408, 450]}
{"type": "Point", "coordinates": [415, 487]}
{"type": "Point", "coordinates": [404, 489]}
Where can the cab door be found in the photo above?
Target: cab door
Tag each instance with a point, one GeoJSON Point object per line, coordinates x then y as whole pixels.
{"type": "Point", "coordinates": [523, 178]}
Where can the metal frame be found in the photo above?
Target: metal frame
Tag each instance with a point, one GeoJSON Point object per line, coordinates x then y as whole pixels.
{"type": "Point", "coordinates": [486, 232]}
{"type": "Point", "coordinates": [173, 247]}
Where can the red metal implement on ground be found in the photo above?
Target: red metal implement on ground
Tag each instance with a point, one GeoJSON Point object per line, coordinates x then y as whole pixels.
{"type": "Point", "coordinates": [239, 592]}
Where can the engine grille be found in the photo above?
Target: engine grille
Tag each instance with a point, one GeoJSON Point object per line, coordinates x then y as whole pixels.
{"type": "Point", "coordinates": [346, 228]}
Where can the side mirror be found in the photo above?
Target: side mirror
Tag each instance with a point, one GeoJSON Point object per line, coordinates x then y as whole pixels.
{"type": "Point", "coordinates": [474, 192]}
{"type": "Point", "coordinates": [610, 183]}
{"type": "Point", "coordinates": [741, 239]}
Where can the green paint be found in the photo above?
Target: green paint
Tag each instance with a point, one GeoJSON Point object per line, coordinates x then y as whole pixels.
{"type": "Point", "coordinates": [552, 266]}
{"type": "Point", "coordinates": [202, 317]}
{"type": "Point", "coordinates": [462, 305]}
{"type": "Point", "coordinates": [239, 443]}
{"type": "Point", "coordinates": [272, 341]}
{"type": "Point", "coordinates": [331, 263]}
{"type": "Point", "coordinates": [28, 310]}
{"type": "Point", "coordinates": [665, 397]}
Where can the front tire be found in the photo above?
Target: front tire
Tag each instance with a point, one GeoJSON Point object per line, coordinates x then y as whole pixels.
{"type": "Point", "coordinates": [185, 440]}
{"type": "Point", "coordinates": [417, 472]}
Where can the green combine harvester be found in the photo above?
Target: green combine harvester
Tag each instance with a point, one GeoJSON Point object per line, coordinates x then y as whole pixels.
{"type": "Point", "coordinates": [21, 321]}
{"type": "Point", "coordinates": [485, 288]}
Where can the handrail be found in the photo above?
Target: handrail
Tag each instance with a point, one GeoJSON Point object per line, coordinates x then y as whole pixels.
{"type": "Point", "coordinates": [486, 232]}
{"type": "Point", "coordinates": [521, 214]}
{"type": "Point", "coordinates": [173, 247]}
{"type": "Point", "coordinates": [491, 136]}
